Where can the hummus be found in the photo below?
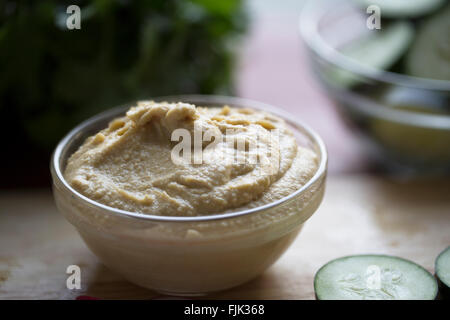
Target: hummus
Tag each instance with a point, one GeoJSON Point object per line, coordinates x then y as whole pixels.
{"type": "Point", "coordinates": [176, 159]}
{"type": "Point", "coordinates": [129, 165]}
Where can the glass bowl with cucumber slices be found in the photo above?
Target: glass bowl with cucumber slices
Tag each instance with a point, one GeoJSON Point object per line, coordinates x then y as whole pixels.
{"type": "Point", "coordinates": [386, 65]}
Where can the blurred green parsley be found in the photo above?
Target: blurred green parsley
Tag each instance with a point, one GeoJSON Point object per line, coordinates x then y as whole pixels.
{"type": "Point", "coordinates": [51, 78]}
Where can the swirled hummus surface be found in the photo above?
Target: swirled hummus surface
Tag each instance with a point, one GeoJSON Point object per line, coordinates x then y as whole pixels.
{"type": "Point", "coordinates": [130, 165]}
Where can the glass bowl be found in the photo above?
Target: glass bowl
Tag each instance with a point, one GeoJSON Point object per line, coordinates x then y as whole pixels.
{"type": "Point", "coordinates": [188, 255]}
{"type": "Point", "coordinates": [403, 121]}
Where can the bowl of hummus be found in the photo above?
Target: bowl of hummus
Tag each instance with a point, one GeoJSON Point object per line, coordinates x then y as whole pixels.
{"type": "Point", "coordinates": [189, 195]}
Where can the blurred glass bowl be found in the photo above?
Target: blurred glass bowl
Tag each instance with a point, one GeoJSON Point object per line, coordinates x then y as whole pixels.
{"type": "Point", "coordinates": [404, 121]}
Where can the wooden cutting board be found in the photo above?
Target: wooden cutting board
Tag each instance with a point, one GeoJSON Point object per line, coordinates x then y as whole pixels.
{"type": "Point", "coordinates": [359, 214]}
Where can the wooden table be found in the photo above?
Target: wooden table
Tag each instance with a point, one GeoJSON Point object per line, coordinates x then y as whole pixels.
{"type": "Point", "coordinates": [359, 214]}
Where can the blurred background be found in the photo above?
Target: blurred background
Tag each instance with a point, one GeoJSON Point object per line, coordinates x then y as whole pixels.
{"type": "Point", "coordinates": [53, 78]}
{"type": "Point", "coordinates": [367, 112]}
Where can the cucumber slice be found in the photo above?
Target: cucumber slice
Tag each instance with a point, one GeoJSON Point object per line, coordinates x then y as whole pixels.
{"type": "Point", "coordinates": [374, 277]}
{"type": "Point", "coordinates": [443, 273]}
{"type": "Point", "coordinates": [380, 50]}
{"type": "Point", "coordinates": [430, 53]}
{"type": "Point", "coordinates": [404, 8]}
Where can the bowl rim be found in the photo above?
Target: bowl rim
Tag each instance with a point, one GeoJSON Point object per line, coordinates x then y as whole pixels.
{"type": "Point", "coordinates": [308, 25]}
{"type": "Point", "coordinates": [216, 99]}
